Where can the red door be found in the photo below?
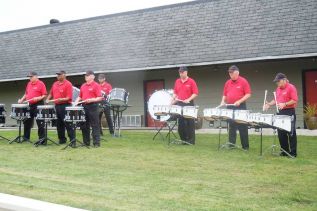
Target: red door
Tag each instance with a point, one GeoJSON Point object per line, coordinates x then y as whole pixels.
{"type": "Point", "coordinates": [311, 87]}
{"type": "Point", "coordinates": [149, 88]}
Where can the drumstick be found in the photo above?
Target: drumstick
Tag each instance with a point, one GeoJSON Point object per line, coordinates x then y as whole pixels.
{"type": "Point", "coordinates": [265, 94]}
{"type": "Point", "coordinates": [274, 93]}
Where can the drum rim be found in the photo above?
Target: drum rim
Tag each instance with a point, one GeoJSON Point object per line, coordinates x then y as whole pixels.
{"type": "Point", "coordinates": [18, 105]}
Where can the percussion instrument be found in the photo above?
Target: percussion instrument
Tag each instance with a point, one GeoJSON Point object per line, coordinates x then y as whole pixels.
{"type": "Point", "coordinates": [75, 114]}
{"type": "Point", "coordinates": [20, 111]}
{"type": "Point", "coordinates": [160, 97]}
{"type": "Point", "coordinates": [190, 112]}
{"type": "Point", "coordinates": [176, 109]}
{"type": "Point", "coordinates": [254, 118]}
{"type": "Point", "coordinates": [46, 112]}
{"type": "Point", "coordinates": [160, 110]}
{"type": "Point", "coordinates": [226, 114]}
{"type": "Point", "coordinates": [118, 96]}
{"type": "Point", "coordinates": [241, 116]}
{"type": "Point", "coordinates": [266, 119]}
{"type": "Point", "coordinates": [283, 122]}
{"type": "Point", "coordinates": [212, 114]}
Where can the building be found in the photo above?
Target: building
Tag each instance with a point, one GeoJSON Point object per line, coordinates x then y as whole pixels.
{"type": "Point", "coordinates": [141, 50]}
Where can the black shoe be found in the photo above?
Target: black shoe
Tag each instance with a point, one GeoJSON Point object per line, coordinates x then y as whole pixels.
{"type": "Point", "coordinates": [96, 145]}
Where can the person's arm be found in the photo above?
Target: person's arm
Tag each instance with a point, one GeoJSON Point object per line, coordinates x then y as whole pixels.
{"type": "Point", "coordinates": [223, 100]}
{"type": "Point", "coordinates": [21, 100]}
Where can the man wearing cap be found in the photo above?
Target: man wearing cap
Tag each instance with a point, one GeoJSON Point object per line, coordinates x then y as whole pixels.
{"type": "Point", "coordinates": [286, 101]}
{"type": "Point", "coordinates": [34, 94]}
{"type": "Point", "coordinates": [105, 89]}
{"type": "Point", "coordinates": [185, 91]}
{"type": "Point", "coordinates": [90, 95]}
{"type": "Point", "coordinates": [236, 92]}
{"type": "Point", "coordinates": [61, 92]}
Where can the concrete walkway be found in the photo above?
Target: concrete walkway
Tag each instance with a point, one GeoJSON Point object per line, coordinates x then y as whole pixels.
{"type": "Point", "coordinates": [17, 203]}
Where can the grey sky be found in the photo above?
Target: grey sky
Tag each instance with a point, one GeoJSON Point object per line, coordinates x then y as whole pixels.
{"type": "Point", "coordinates": [17, 14]}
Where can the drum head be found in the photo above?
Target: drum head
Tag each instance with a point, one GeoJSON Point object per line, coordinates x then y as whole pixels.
{"type": "Point", "coordinates": [161, 97]}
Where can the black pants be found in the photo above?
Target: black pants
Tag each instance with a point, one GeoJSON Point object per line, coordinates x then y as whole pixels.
{"type": "Point", "coordinates": [243, 129]}
{"type": "Point", "coordinates": [106, 111]}
{"type": "Point", "coordinates": [186, 126]}
{"type": "Point", "coordinates": [61, 124]}
{"type": "Point", "coordinates": [28, 123]}
{"type": "Point", "coordinates": [288, 140]}
{"type": "Point", "coordinates": [92, 120]}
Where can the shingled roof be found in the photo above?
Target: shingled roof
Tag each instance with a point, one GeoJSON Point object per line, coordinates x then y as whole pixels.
{"type": "Point", "coordinates": [199, 32]}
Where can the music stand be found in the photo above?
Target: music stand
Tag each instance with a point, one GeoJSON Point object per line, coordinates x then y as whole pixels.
{"type": "Point", "coordinates": [73, 142]}
{"type": "Point", "coordinates": [43, 141]}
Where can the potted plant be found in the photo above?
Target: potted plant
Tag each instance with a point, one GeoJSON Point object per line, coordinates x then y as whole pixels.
{"type": "Point", "coordinates": [310, 116]}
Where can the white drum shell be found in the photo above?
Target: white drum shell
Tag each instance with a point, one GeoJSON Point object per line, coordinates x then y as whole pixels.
{"type": "Point", "coordinates": [241, 116]}
{"type": "Point", "coordinates": [160, 97]}
{"type": "Point", "coordinates": [190, 112]}
{"type": "Point", "coordinates": [266, 119]}
{"type": "Point", "coordinates": [176, 110]}
{"type": "Point", "coordinates": [283, 122]}
{"type": "Point", "coordinates": [226, 113]}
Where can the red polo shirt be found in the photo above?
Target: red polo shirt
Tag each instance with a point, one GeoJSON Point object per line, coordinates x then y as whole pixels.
{"type": "Point", "coordinates": [235, 90]}
{"type": "Point", "coordinates": [285, 94]}
{"type": "Point", "coordinates": [91, 90]}
{"type": "Point", "coordinates": [106, 87]}
{"type": "Point", "coordinates": [183, 90]}
{"type": "Point", "coordinates": [62, 90]}
{"type": "Point", "coordinates": [35, 89]}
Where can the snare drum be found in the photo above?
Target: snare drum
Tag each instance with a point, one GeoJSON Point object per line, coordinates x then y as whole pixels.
{"type": "Point", "coordinates": [46, 112]}
{"type": "Point", "coordinates": [283, 122]}
{"type": "Point", "coordinates": [20, 111]}
{"type": "Point", "coordinates": [226, 114]}
{"type": "Point", "coordinates": [212, 114]}
{"type": "Point", "coordinates": [241, 116]}
{"type": "Point", "coordinates": [75, 114]}
{"type": "Point", "coordinates": [254, 118]}
{"type": "Point", "coordinates": [118, 96]}
{"type": "Point", "coordinates": [266, 119]}
{"type": "Point", "coordinates": [190, 112]}
{"type": "Point", "coordinates": [161, 110]}
{"type": "Point", "coordinates": [176, 110]}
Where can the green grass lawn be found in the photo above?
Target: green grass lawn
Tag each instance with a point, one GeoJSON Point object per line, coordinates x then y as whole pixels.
{"type": "Point", "coordinates": [136, 173]}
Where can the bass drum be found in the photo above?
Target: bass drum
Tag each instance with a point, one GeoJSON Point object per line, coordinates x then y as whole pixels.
{"type": "Point", "coordinates": [160, 97]}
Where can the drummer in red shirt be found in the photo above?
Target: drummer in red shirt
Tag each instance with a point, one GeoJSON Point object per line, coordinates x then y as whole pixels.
{"type": "Point", "coordinates": [61, 92]}
{"type": "Point", "coordinates": [236, 92]}
{"type": "Point", "coordinates": [90, 95]}
{"type": "Point", "coordinates": [34, 95]}
{"type": "Point", "coordinates": [105, 88]}
{"type": "Point", "coordinates": [185, 91]}
{"type": "Point", "coordinates": [286, 97]}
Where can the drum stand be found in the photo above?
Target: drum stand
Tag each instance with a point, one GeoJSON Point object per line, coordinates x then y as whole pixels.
{"type": "Point", "coordinates": [227, 145]}
{"type": "Point", "coordinates": [19, 138]}
{"type": "Point", "coordinates": [117, 111]}
{"type": "Point", "coordinates": [73, 142]}
{"type": "Point", "coordinates": [2, 137]}
{"type": "Point", "coordinates": [43, 141]}
{"type": "Point", "coordinates": [275, 149]}
{"type": "Point", "coordinates": [159, 129]}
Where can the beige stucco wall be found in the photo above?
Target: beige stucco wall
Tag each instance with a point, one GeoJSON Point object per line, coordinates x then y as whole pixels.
{"type": "Point", "coordinates": [210, 80]}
